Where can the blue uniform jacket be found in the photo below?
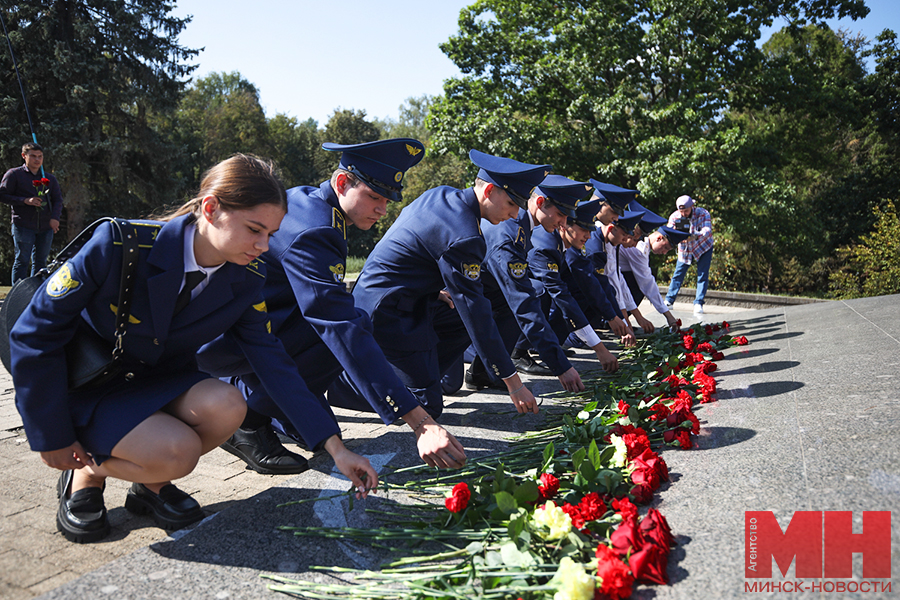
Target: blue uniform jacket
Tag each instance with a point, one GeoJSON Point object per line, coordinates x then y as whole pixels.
{"type": "Point", "coordinates": [86, 289]}
{"type": "Point", "coordinates": [435, 243]}
{"type": "Point", "coordinates": [585, 285]}
{"type": "Point", "coordinates": [309, 303]}
{"type": "Point", "coordinates": [506, 273]}
{"type": "Point", "coordinates": [595, 248]}
{"type": "Point", "coordinates": [547, 261]}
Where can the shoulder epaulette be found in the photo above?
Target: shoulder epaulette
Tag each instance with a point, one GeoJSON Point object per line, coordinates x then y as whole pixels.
{"type": "Point", "coordinates": [258, 267]}
{"type": "Point", "coordinates": [146, 231]}
{"type": "Point", "coordinates": [520, 237]}
{"type": "Point", "coordinates": [338, 221]}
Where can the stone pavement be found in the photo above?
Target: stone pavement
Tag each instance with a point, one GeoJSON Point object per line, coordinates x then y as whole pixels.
{"type": "Point", "coordinates": [808, 418]}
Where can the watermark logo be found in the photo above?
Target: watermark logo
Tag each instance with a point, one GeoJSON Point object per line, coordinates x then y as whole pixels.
{"type": "Point", "coordinates": [822, 543]}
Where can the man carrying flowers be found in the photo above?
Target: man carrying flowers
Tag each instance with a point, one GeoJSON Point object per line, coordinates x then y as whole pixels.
{"type": "Point", "coordinates": [37, 204]}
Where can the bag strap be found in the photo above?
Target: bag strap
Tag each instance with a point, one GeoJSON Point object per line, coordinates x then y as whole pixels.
{"type": "Point", "coordinates": [128, 235]}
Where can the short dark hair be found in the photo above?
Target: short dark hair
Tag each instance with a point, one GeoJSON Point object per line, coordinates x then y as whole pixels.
{"type": "Point", "coordinates": [26, 148]}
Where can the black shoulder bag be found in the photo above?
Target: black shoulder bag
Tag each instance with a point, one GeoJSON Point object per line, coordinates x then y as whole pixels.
{"type": "Point", "coordinates": [90, 360]}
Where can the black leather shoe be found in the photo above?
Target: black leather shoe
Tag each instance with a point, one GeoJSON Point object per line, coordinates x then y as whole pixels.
{"type": "Point", "coordinates": [480, 381]}
{"type": "Point", "coordinates": [171, 508]}
{"type": "Point", "coordinates": [82, 515]}
{"type": "Point", "coordinates": [263, 452]}
{"type": "Point", "coordinates": [526, 364]}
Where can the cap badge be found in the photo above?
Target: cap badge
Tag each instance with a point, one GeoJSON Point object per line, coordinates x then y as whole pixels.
{"type": "Point", "coordinates": [413, 151]}
{"type": "Point", "coordinates": [398, 177]}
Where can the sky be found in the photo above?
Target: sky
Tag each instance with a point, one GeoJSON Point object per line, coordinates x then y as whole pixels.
{"type": "Point", "coordinates": [308, 58]}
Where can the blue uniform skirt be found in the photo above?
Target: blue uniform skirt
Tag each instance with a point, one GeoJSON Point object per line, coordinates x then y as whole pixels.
{"type": "Point", "coordinates": [104, 415]}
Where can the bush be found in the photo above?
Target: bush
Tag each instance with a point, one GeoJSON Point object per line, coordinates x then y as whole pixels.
{"type": "Point", "coordinates": [872, 266]}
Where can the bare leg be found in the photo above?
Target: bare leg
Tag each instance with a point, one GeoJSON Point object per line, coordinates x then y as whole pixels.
{"type": "Point", "coordinates": [168, 444]}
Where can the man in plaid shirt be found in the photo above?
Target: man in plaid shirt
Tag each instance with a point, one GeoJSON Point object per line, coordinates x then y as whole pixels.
{"type": "Point", "coordinates": [698, 248]}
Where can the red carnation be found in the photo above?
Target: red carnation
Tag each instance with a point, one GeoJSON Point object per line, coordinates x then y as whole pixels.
{"type": "Point", "coordinates": [654, 461]}
{"type": "Point", "coordinates": [45, 181]}
{"type": "Point", "coordinates": [574, 513]}
{"type": "Point", "coordinates": [625, 508]}
{"type": "Point", "coordinates": [459, 498]}
{"type": "Point", "coordinates": [615, 580]}
{"type": "Point", "coordinates": [687, 341]}
{"type": "Point", "coordinates": [636, 443]}
{"type": "Point", "coordinates": [549, 486]}
{"type": "Point", "coordinates": [660, 412]}
{"type": "Point", "coordinates": [591, 507]}
{"type": "Point", "coordinates": [36, 182]}
{"type": "Point", "coordinates": [725, 324]}
{"type": "Point", "coordinates": [741, 340]}
{"type": "Point", "coordinates": [684, 439]}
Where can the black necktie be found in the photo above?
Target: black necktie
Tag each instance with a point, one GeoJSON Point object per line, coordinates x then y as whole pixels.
{"type": "Point", "coordinates": [191, 280]}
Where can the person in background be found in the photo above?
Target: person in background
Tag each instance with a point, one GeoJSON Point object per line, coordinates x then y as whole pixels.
{"type": "Point", "coordinates": [314, 315]}
{"type": "Point", "coordinates": [37, 204]}
{"type": "Point", "coordinates": [698, 248]}
{"type": "Point", "coordinates": [197, 276]}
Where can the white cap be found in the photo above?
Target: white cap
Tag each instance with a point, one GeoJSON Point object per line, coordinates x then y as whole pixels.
{"type": "Point", "coordinates": [684, 202]}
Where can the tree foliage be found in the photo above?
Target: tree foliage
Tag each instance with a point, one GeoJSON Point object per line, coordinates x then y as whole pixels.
{"type": "Point", "coordinates": [667, 97]}
{"type": "Point", "coordinates": [871, 267]}
{"type": "Point", "coordinates": [95, 74]}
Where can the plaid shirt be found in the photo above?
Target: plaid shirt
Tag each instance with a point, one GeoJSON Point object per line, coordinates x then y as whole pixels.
{"type": "Point", "coordinates": [701, 226]}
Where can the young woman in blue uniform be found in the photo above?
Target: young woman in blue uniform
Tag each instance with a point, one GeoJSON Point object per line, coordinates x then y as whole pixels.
{"type": "Point", "coordinates": [153, 422]}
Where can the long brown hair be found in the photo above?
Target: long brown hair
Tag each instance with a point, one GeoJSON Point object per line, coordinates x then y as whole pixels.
{"type": "Point", "coordinates": [240, 182]}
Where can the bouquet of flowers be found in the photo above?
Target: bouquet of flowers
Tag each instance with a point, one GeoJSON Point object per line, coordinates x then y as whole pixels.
{"type": "Point", "coordinates": [42, 186]}
{"type": "Point", "coordinates": [557, 515]}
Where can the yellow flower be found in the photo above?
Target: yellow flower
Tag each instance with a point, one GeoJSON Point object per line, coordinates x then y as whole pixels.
{"type": "Point", "coordinates": [621, 456]}
{"type": "Point", "coordinates": [551, 522]}
{"type": "Point", "coordinates": [572, 582]}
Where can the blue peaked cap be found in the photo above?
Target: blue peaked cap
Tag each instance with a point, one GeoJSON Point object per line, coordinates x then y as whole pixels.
{"type": "Point", "coordinates": [565, 193]}
{"type": "Point", "coordinates": [629, 220]}
{"type": "Point", "coordinates": [675, 237]}
{"type": "Point", "coordinates": [650, 220]}
{"type": "Point", "coordinates": [380, 164]}
{"type": "Point", "coordinates": [585, 213]}
{"type": "Point", "coordinates": [516, 178]}
{"type": "Point", "coordinates": [614, 194]}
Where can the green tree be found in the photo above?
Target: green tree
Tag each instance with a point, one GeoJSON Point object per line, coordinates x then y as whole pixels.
{"type": "Point", "coordinates": [96, 72]}
{"type": "Point", "coordinates": [219, 115]}
{"type": "Point", "coordinates": [434, 170]}
{"type": "Point", "coordinates": [638, 94]}
{"type": "Point", "coordinates": [295, 147]}
{"type": "Point", "coordinates": [872, 266]}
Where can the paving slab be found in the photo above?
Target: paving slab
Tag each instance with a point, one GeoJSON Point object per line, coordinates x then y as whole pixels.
{"type": "Point", "coordinates": [808, 418]}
